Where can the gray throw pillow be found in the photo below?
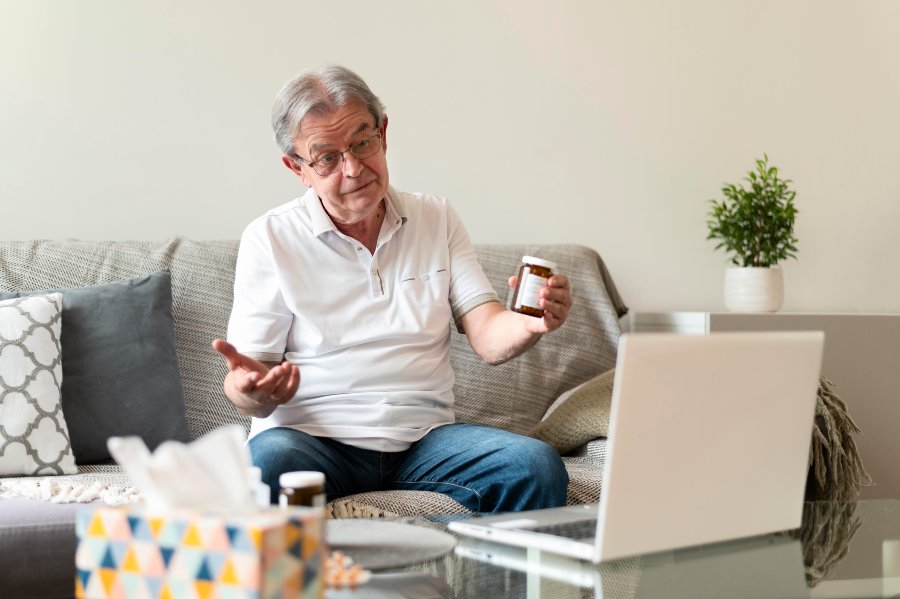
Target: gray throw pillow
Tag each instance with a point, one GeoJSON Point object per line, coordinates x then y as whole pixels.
{"type": "Point", "coordinates": [120, 370]}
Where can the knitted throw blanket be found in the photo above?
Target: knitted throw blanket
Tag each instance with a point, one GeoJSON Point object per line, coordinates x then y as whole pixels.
{"type": "Point", "coordinates": [47, 489]}
{"type": "Point", "coordinates": [825, 535]}
{"type": "Point", "coordinates": [836, 470]}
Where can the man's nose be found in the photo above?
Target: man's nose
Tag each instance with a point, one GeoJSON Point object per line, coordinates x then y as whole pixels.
{"type": "Point", "coordinates": [352, 166]}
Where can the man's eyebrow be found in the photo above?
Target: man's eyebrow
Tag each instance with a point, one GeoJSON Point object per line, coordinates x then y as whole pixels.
{"type": "Point", "coordinates": [359, 129]}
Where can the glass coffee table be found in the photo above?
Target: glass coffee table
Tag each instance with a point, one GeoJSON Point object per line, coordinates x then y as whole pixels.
{"type": "Point", "coordinates": [842, 550]}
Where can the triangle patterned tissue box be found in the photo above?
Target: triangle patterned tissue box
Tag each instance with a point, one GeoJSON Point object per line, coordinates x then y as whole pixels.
{"type": "Point", "coordinates": [274, 554]}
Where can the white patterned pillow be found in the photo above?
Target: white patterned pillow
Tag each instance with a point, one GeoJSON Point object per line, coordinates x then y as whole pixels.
{"type": "Point", "coordinates": [34, 438]}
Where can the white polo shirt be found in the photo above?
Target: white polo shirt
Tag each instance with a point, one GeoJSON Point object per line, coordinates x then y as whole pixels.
{"type": "Point", "coordinates": [370, 333]}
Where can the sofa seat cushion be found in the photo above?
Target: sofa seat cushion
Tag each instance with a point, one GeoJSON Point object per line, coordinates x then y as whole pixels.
{"type": "Point", "coordinates": [37, 548]}
{"type": "Point", "coordinates": [585, 477]}
{"type": "Point", "coordinates": [391, 504]}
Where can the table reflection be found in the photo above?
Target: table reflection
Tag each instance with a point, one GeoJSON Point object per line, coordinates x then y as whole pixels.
{"type": "Point", "coordinates": [842, 549]}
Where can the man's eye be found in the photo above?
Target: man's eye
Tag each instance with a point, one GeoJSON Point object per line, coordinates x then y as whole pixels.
{"type": "Point", "coordinates": [362, 145]}
{"type": "Point", "coordinates": [328, 159]}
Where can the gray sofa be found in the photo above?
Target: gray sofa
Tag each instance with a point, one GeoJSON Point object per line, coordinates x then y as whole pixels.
{"type": "Point", "coordinates": [37, 538]}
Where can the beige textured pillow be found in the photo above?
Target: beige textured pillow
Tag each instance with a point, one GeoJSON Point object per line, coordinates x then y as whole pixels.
{"type": "Point", "coordinates": [578, 415]}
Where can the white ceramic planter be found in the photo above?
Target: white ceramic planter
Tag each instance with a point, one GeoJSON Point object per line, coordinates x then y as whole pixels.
{"type": "Point", "coordinates": [754, 289]}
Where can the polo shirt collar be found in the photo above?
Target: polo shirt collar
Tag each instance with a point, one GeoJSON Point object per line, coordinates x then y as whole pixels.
{"type": "Point", "coordinates": [398, 202]}
{"type": "Point", "coordinates": [322, 223]}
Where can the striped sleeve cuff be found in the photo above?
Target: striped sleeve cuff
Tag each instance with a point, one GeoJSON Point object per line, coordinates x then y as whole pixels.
{"type": "Point", "coordinates": [470, 305]}
{"type": "Point", "coordinates": [265, 356]}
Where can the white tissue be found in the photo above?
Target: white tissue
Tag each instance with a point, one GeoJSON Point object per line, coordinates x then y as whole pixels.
{"type": "Point", "coordinates": [209, 474]}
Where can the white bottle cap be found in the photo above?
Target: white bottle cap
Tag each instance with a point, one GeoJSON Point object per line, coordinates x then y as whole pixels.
{"type": "Point", "coordinates": [300, 479]}
{"type": "Point", "coordinates": [539, 262]}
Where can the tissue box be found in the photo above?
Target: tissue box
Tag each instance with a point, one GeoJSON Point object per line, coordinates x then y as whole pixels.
{"type": "Point", "coordinates": [125, 553]}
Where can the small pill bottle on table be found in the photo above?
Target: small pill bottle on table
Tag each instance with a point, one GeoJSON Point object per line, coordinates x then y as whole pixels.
{"type": "Point", "coordinates": [304, 488]}
{"type": "Point", "coordinates": [533, 276]}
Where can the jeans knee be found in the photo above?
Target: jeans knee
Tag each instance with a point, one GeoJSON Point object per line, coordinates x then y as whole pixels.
{"type": "Point", "coordinates": [275, 451]}
{"type": "Point", "coordinates": [268, 446]}
{"type": "Point", "coordinates": [545, 461]}
{"type": "Point", "coordinates": [540, 480]}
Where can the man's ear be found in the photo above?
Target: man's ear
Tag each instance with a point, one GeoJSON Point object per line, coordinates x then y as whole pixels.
{"type": "Point", "coordinates": [384, 123]}
{"type": "Point", "coordinates": [295, 168]}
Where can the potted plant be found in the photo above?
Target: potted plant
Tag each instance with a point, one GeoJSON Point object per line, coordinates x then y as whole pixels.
{"type": "Point", "coordinates": [755, 224]}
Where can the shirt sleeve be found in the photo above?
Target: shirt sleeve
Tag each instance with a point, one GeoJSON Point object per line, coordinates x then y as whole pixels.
{"type": "Point", "coordinates": [260, 320]}
{"type": "Point", "coordinates": [469, 286]}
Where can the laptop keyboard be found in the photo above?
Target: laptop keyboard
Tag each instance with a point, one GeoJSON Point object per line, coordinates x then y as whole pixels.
{"type": "Point", "coordinates": [579, 530]}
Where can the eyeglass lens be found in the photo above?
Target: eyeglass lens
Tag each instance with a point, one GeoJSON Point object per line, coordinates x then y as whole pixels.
{"type": "Point", "coordinates": [331, 162]}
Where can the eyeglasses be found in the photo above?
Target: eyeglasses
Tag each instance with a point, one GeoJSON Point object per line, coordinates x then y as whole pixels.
{"type": "Point", "coordinates": [333, 161]}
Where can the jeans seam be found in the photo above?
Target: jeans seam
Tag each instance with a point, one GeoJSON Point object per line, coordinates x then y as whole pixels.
{"type": "Point", "coordinates": [444, 482]}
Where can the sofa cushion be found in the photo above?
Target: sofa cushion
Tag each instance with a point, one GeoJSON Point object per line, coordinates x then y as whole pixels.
{"type": "Point", "coordinates": [120, 370]}
{"type": "Point", "coordinates": [388, 504]}
{"type": "Point", "coordinates": [579, 415]}
{"type": "Point", "coordinates": [37, 548]}
{"type": "Point", "coordinates": [34, 437]}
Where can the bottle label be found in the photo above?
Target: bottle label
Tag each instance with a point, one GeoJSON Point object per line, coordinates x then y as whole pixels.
{"type": "Point", "coordinates": [530, 293]}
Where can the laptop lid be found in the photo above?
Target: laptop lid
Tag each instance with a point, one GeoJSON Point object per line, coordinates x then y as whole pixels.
{"type": "Point", "coordinates": [709, 438]}
{"type": "Point", "coordinates": [709, 441]}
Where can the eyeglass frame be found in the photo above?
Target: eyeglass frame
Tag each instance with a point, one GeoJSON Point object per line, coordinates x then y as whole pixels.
{"type": "Point", "coordinates": [379, 134]}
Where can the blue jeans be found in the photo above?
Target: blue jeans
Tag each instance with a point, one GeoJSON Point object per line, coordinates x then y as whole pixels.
{"type": "Point", "coordinates": [484, 469]}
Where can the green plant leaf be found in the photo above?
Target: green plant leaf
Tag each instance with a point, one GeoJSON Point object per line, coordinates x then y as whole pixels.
{"type": "Point", "coordinates": [755, 223]}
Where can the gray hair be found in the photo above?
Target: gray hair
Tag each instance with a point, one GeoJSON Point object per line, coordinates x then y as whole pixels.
{"type": "Point", "coordinates": [319, 91]}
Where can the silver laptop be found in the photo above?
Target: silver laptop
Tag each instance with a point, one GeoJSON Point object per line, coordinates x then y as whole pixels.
{"type": "Point", "coordinates": [709, 441]}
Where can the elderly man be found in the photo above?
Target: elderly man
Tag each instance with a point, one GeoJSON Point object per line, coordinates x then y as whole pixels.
{"type": "Point", "coordinates": [339, 342]}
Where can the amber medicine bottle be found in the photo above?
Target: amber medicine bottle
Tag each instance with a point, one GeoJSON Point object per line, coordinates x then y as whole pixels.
{"type": "Point", "coordinates": [533, 276]}
{"type": "Point", "coordinates": [304, 488]}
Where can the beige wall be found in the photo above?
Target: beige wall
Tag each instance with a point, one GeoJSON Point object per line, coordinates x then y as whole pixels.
{"type": "Point", "coordinates": [608, 124]}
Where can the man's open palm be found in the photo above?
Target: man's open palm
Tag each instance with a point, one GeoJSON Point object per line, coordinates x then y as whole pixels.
{"type": "Point", "coordinates": [261, 383]}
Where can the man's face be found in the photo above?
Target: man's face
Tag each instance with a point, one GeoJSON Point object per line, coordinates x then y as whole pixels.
{"type": "Point", "coordinates": [354, 191]}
